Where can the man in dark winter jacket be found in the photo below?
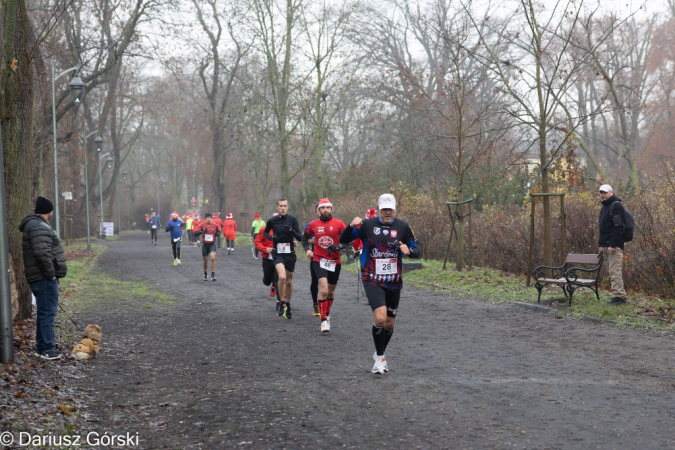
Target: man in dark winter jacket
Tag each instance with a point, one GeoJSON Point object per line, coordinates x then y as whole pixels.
{"type": "Point", "coordinates": [44, 263]}
{"type": "Point", "coordinates": [611, 225]}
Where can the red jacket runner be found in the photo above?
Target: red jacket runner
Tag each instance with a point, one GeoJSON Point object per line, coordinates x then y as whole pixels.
{"type": "Point", "coordinates": [262, 243]}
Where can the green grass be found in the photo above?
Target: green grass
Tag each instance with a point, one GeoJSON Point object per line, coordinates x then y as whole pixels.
{"type": "Point", "coordinates": [497, 286]}
{"type": "Point", "coordinates": [99, 287]}
{"type": "Point", "coordinates": [84, 285]}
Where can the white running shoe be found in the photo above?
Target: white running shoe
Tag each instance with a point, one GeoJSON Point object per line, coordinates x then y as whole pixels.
{"type": "Point", "coordinates": [382, 360]}
{"type": "Point", "coordinates": [379, 364]}
{"type": "Point", "coordinates": [325, 326]}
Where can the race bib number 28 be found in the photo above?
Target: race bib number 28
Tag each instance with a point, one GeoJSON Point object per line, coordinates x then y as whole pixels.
{"type": "Point", "coordinates": [386, 266]}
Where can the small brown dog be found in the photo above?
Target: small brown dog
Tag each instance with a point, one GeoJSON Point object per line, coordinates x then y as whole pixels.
{"type": "Point", "coordinates": [88, 347]}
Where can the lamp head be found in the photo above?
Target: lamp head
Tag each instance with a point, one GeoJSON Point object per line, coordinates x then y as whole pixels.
{"type": "Point", "coordinates": [77, 89]}
{"type": "Point", "coordinates": [109, 162]}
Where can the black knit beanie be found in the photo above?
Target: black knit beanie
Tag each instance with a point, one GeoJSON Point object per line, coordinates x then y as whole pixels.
{"type": "Point", "coordinates": [43, 206]}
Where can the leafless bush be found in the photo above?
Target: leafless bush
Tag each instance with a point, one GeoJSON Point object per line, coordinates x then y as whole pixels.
{"type": "Point", "coordinates": [500, 234]}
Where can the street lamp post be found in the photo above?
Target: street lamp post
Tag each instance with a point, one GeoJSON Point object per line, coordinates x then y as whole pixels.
{"type": "Point", "coordinates": [6, 329]}
{"type": "Point", "coordinates": [162, 183]}
{"type": "Point", "coordinates": [100, 187]}
{"type": "Point", "coordinates": [77, 91]}
{"type": "Point", "coordinates": [98, 141]}
{"type": "Point", "coordinates": [119, 211]}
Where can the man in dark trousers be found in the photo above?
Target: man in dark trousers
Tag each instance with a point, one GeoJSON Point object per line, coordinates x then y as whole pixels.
{"type": "Point", "coordinates": [611, 224]}
{"type": "Point", "coordinates": [44, 263]}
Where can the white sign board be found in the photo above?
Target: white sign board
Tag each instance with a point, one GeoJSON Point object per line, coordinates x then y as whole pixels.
{"type": "Point", "coordinates": [68, 195]}
{"type": "Point", "coordinates": [108, 228]}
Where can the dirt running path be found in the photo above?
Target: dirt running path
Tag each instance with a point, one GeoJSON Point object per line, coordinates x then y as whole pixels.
{"type": "Point", "coordinates": [218, 369]}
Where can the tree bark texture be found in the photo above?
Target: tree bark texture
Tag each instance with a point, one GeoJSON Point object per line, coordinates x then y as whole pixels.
{"type": "Point", "coordinates": [17, 139]}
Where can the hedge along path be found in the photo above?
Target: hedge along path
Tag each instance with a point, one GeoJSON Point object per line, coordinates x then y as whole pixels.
{"type": "Point", "coordinates": [219, 369]}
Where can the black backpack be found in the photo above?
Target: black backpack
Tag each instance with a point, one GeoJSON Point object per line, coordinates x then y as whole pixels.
{"type": "Point", "coordinates": [629, 223]}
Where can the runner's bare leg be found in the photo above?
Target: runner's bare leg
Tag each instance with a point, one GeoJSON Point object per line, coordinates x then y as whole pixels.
{"type": "Point", "coordinates": [281, 283]}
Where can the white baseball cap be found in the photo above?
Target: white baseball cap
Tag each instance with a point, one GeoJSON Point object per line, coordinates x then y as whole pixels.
{"type": "Point", "coordinates": [386, 201]}
{"type": "Point", "coordinates": [605, 188]}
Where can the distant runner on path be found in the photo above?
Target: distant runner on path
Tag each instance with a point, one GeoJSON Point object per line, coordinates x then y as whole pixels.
{"type": "Point", "coordinates": [325, 257]}
{"type": "Point", "coordinates": [256, 225]}
{"type": "Point", "coordinates": [286, 231]}
{"type": "Point", "coordinates": [385, 241]}
{"type": "Point", "coordinates": [175, 226]}
{"type": "Point", "coordinates": [209, 231]}
{"type": "Point", "coordinates": [219, 223]}
{"type": "Point", "coordinates": [155, 222]}
{"type": "Point", "coordinates": [230, 231]}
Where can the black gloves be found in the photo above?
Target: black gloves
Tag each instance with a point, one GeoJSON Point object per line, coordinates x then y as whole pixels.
{"type": "Point", "coordinates": [334, 248]}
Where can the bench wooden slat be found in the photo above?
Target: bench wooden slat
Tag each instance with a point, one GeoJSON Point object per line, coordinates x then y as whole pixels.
{"type": "Point", "coordinates": [552, 280]}
{"type": "Point", "coordinates": [581, 258]}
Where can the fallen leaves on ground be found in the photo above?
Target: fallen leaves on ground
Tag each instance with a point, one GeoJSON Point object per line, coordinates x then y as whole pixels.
{"type": "Point", "coordinates": [34, 393]}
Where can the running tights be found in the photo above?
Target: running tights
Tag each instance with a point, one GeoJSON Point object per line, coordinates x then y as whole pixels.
{"type": "Point", "coordinates": [175, 246]}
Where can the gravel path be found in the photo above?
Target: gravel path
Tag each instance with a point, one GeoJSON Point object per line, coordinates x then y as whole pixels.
{"type": "Point", "coordinates": [218, 368]}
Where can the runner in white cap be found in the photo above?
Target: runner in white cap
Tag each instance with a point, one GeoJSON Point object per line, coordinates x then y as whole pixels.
{"type": "Point", "coordinates": [385, 240]}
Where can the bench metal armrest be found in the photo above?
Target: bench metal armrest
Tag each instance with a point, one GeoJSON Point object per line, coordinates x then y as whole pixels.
{"type": "Point", "coordinates": [556, 271]}
{"type": "Point", "coordinates": [572, 274]}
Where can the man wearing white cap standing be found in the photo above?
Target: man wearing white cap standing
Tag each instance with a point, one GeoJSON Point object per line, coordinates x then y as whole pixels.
{"type": "Point", "coordinates": [611, 242]}
{"type": "Point", "coordinates": [385, 240]}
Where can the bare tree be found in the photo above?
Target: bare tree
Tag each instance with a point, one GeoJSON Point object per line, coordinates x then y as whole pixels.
{"type": "Point", "coordinates": [16, 120]}
{"type": "Point", "coordinates": [275, 28]}
{"type": "Point", "coordinates": [537, 65]}
{"type": "Point", "coordinates": [218, 75]}
{"type": "Point", "coordinates": [326, 31]}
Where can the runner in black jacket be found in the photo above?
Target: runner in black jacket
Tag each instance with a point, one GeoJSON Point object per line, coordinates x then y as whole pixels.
{"type": "Point", "coordinates": [286, 230]}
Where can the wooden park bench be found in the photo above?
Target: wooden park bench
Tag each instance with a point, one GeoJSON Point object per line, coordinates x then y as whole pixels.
{"type": "Point", "coordinates": [579, 270]}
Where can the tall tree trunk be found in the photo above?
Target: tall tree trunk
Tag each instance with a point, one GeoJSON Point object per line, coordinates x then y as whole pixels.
{"type": "Point", "coordinates": [17, 140]}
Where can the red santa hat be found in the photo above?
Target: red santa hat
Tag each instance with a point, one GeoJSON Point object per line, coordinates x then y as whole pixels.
{"type": "Point", "coordinates": [324, 202]}
{"type": "Point", "coordinates": [371, 213]}
{"type": "Point", "coordinates": [228, 216]}
{"type": "Point", "coordinates": [257, 215]}
{"type": "Point", "coordinates": [174, 214]}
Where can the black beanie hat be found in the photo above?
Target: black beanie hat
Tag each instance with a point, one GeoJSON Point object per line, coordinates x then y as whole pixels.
{"type": "Point", "coordinates": [43, 206]}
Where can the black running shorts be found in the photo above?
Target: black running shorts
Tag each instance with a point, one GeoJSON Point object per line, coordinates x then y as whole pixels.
{"type": "Point", "coordinates": [379, 296]}
{"type": "Point", "coordinates": [319, 272]}
{"type": "Point", "coordinates": [287, 259]}
{"type": "Point", "coordinates": [207, 249]}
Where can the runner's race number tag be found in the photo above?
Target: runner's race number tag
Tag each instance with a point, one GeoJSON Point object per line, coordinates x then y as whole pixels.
{"type": "Point", "coordinates": [154, 227]}
{"type": "Point", "coordinates": [386, 266]}
{"type": "Point", "coordinates": [177, 239]}
{"type": "Point", "coordinates": [208, 238]}
{"type": "Point", "coordinates": [328, 264]}
{"type": "Point", "coordinates": [284, 247]}
{"type": "Point", "coordinates": [269, 256]}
